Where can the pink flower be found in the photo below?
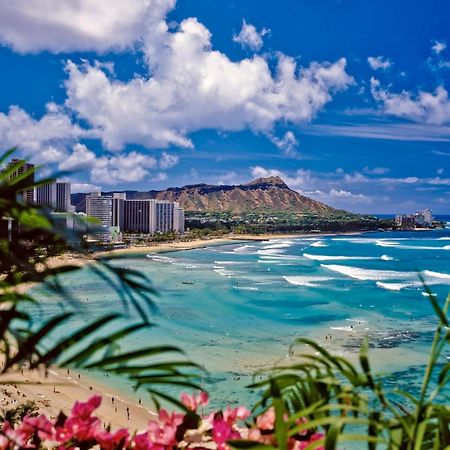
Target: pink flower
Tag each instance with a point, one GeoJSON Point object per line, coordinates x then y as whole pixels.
{"type": "Point", "coordinates": [84, 410]}
{"type": "Point", "coordinates": [112, 441]}
{"type": "Point", "coordinates": [266, 421]}
{"type": "Point", "coordinates": [223, 432]}
{"type": "Point", "coordinates": [239, 413]}
{"type": "Point", "coordinates": [13, 438]}
{"type": "Point", "coordinates": [40, 425]}
{"type": "Point", "coordinates": [192, 402]}
{"type": "Point", "coordinates": [81, 425]}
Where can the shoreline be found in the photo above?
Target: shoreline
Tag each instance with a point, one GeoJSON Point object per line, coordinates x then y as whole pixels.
{"type": "Point", "coordinates": [166, 247]}
{"type": "Point", "coordinates": [58, 389]}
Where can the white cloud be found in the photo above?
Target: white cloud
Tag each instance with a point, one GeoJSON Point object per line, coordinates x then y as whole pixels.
{"type": "Point", "coordinates": [376, 170]}
{"type": "Point", "coordinates": [167, 160]}
{"type": "Point", "coordinates": [249, 37]}
{"type": "Point", "coordinates": [193, 87]}
{"type": "Point", "coordinates": [124, 167]}
{"type": "Point", "coordinates": [129, 167]}
{"type": "Point", "coordinates": [85, 187]}
{"type": "Point", "coordinates": [431, 108]}
{"type": "Point", "coordinates": [288, 143]}
{"type": "Point", "coordinates": [65, 26]}
{"type": "Point", "coordinates": [81, 158]}
{"type": "Point", "coordinates": [42, 140]}
{"type": "Point", "coordinates": [385, 131]}
{"type": "Point", "coordinates": [379, 62]}
{"type": "Point", "coordinates": [341, 194]}
{"type": "Point", "coordinates": [438, 47]}
{"type": "Point", "coordinates": [189, 85]}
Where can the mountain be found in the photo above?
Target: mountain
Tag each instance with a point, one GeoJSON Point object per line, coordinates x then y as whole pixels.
{"type": "Point", "coordinates": [263, 194]}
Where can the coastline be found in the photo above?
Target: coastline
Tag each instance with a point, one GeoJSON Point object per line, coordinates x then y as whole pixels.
{"type": "Point", "coordinates": [166, 247]}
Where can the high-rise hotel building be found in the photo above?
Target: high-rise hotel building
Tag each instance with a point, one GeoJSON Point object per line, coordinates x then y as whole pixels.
{"type": "Point", "coordinates": [55, 195]}
{"type": "Point", "coordinates": [100, 207]}
{"type": "Point", "coordinates": [146, 216]}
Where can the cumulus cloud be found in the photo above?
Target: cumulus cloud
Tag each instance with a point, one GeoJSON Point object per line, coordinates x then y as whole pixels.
{"type": "Point", "coordinates": [341, 194]}
{"type": "Point", "coordinates": [379, 62]}
{"type": "Point", "coordinates": [129, 167]}
{"type": "Point", "coordinates": [81, 158]}
{"type": "Point", "coordinates": [288, 143]}
{"type": "Point", "coordinates": [193, 87]}
{"type": "Point", "coordinates": [438, 47]}
{"type": "Point", "coordinates": [42, 140]}
{"type": "Point", "coordinates": [61, 26]}
{"type": "Point", "coordinates": [249, 37]}
{"type": "Point", "coordinates": [428, 107]}
{"type": "Point", "coordinates": [189, 86]}
{"type": "Point", "coordinates": [123, 167]}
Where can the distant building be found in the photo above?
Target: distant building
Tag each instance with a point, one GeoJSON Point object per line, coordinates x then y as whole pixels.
{"type": "Point", "coordinates": [419, 219]}
{"type": "Point", "coordinates": [22, 167]}
{"type": "Point", "coordinates": [138, 216]}
{"type": "Point", "coordinates": [99, 207]}
{"type": "Point", "coordinates": [63, 201]}
{"type": "Point", "coordinates": [147, 216]}
{"type": "Point", "coordinates": [178, 219]}
{"type": "Point", "coordinates": [118, 210]}
{"type": "Point", "coordinates": [55, 195]}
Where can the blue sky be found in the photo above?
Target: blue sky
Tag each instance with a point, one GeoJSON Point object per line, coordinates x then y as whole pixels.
{"type": "Point", "coordinates": [345, 100]}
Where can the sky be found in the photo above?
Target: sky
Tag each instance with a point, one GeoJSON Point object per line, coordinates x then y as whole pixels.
{"type": "Point", "coordinates": [346, 100]}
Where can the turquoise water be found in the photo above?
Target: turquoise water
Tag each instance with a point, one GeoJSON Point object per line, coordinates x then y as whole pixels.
{"type": "Point", "coordinates": [247, 302]}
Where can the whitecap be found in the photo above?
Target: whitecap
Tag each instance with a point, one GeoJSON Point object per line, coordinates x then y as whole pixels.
{"type": "Point", "coordinates": [393, 286]}
{"type": "Point", "coordinates": [431, 274]}
{"type": "Point", "coordinates": [243, 248]}
{"type": "Point", "coordinates": [385, 243]}
{"type": "Point", "coordinates": [387, 258]}
{"type": "Point", "coordinates": [337, 258]}
{"type": "Point", "coordinates": [270, 251]}
{"type": "Point", "coordinates": [396, 245]}
{"type": "Point", "coordinates": [370, 274]}
{"type": "Point", "coordinates": [427, 294]}
{"type": "Point", "coordinates": [319, 244]}
{"type": "Point", "coordinates": [411, 278]}
{"type": "Point", "coordinates": [308, 281]}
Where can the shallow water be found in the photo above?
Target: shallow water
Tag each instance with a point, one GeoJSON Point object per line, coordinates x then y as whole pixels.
{"type": "Point", "coordinates": [248, 302]}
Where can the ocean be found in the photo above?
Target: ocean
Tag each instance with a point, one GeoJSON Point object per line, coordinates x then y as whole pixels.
{"type": "Point", "coordinates": [237, 308]}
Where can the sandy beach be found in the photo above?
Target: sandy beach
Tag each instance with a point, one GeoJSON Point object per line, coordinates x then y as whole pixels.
{"type": "Point", "coordinates": [59, 389]}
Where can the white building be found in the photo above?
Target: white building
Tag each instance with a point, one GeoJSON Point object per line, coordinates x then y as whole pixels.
{"type": "Point", "coordinates": [55, 195]}
{"type": "Point", "coordinates": [100, 207]}
{"type": "Point", "coordinates": [178, 219]}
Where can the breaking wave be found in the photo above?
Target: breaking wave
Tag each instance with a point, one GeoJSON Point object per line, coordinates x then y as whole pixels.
{"type": "Point", "coordinates": [339, 258]}
{"type": "Point", "coordinates": [307, 281]}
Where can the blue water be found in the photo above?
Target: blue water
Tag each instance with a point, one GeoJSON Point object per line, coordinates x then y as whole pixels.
{"type": "Point", "coordinates": [249, 301]}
